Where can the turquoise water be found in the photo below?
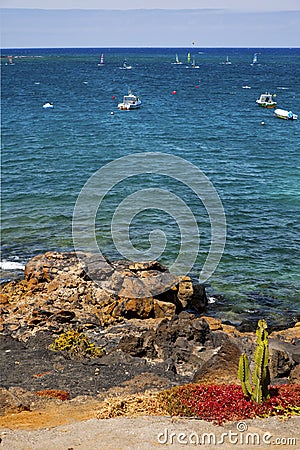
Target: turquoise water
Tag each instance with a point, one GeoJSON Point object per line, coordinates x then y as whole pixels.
{"type": "Point", "coordinates": [211, 121]}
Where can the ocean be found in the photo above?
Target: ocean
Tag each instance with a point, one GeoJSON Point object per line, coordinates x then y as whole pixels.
{"type": "Point", "coordinates": [205, 116]}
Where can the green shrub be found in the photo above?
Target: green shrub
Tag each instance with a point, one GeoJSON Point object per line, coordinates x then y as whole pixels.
{"type": "Point", "coordinates": [76, 345]}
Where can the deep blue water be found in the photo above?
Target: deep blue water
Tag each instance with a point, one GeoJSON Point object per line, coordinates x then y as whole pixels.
{"type": "Point", "coordinates": [211, 121]}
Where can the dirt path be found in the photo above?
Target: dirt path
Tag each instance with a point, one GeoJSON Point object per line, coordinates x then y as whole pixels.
{"type": "Point", "coordinates": [51, 415]}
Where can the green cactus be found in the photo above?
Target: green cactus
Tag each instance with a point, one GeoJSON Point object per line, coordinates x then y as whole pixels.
{"type": "Point", "coordinates": [244, 375]}
{"type": "Point", "coordinates": [261, 374]}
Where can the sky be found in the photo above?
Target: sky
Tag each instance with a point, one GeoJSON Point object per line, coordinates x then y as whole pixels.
{"type": "Point", "coordinates": [152, 23]}
{"type": "Point", "coordinates": [245, 5]}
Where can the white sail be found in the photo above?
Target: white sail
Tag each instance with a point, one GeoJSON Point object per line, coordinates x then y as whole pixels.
{"type": "Point", "coordinates": [177, 60]}
{"type": "Point", "coordinates": [101, 60]}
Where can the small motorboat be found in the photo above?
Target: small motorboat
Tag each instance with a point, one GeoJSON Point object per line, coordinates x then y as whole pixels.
{"type": "Point", "coordinates": [283, 114]}
{"type": "Point", "coordinates": [130, 101]}
{"type": "Point", "coordinates": [48, 105]}
{"type": "Point", "coordinates": [246, 87]}
{"type": "Point", "coordinates": [266, 101]}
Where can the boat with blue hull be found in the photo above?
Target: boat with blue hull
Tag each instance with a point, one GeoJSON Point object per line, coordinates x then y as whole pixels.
{"type": "Point", "coordinates": [284, 114]}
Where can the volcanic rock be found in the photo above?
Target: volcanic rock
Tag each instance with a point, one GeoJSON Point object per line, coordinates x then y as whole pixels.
{"type": "Point", "coordinates": [60, 289]}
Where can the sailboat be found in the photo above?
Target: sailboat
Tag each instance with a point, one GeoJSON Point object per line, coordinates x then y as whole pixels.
{"type": "Point", "coordinates": [193, 66]}
{"type": "Point", "coordinates": [101, 60]}
{"type": "Point", "coordinates": [227, 62]}
{"type": "Point", "coordinates": [177, 60]}
{"type": "Point", "coordinates": [10, 61]}
{"type": "Point", "coordinates": [189, 61]}
{"type": "Point", "coordinates": [255, 60]}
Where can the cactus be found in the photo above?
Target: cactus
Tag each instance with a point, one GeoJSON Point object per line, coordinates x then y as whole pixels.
{"type": "Point", "coordinates": [261, 374]}
{"type": "Point", "coordinates": [244, 375]}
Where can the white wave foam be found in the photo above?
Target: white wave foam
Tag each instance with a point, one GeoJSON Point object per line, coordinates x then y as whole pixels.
{"type": "Point", "coordinates": [11, 265]}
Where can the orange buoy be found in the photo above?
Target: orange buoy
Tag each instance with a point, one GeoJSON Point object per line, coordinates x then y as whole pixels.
{"type": "Point", "coordinates": [174, 92]}
{"type": "Point", "coordinates": [113, 97]}
{"type": "Point", "coordinates": [197, 86]}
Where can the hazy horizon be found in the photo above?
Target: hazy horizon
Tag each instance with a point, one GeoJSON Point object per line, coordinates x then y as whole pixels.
{"type": "Point", "coordinates": [138, 28]}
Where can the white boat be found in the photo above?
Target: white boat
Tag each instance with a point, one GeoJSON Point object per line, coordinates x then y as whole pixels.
{"type": "Point", "coordinates": [126, 66]}
{"type": "Point", "coordinates": [177, 60]}
{"type": "Point", "coordinates": [266, 101]}
{"type": "Point", "coordinates": [101, 63]}
{"type": "Point", "coordinates": [130, 101]}
{"type": "Point", "coordinates": [255, 60]}
{"type": "Point", "coordinates": [246, 87]}
{"type": "Point", "coordinates": [194, 66]}
{"type": "Point", "coordinates": [283, 114]}
{"type": "Point", "coordinates": [48, 105]}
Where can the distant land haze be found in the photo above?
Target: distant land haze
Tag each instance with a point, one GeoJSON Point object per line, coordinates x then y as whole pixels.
{"type": "Point", "coordinates": [245, 5]}
{"type": "Point", "coordinates": [38, 28]}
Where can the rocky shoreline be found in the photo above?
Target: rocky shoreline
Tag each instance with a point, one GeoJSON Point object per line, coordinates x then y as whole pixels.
{"type": "Point", "coordinates": [151, 341]}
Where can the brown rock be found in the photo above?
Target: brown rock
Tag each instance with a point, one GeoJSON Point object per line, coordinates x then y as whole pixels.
{"type": "Point", "coordinates": [164, 309]}
{"type": "Point", "coordinates": [63, 316]}
{"type": "Point", "coordinates": [280, 361]}
{"type": "Point", "coordinates": [199, 300]}
{"type": "Point", "coordinates": [133, 287]}
{"type": "Point", "coordinates": [144, 266]}
{"type": "Point", "coordinates": [295, 375]}
{"type": "Point", "coordinates": [14, 326]}
{"type": "Point", "coordinates": [138, 308]}
{"type": "Point", "coordinates": [222, 367]}
{"type": "Point", "coordinates": [185, 291]}
{"type": "Point", "coordinates": [57, 283]}
{"type": "Point", "coordinates": [133, 345]}
{"type": "Point", "coordinates": [291, 335]}
{"type": "Point", "coordinates": [214, 324]}
{"type": "Point", "coordinates": [12, 402]}
{"type": "Point", "coordinates": [4, 299]}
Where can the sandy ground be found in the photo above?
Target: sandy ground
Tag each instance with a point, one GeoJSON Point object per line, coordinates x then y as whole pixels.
{"type": "Point", "coordinates": [154, 433]}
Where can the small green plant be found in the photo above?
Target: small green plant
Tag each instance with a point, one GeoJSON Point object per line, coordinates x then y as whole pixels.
{"type": "Point", "coordinates": [261, 374]}
{"type": "Point", "coordinates": [76, 345]}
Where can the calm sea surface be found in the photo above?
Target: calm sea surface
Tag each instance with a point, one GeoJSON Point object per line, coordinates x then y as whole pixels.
{"type": "Point", "coordinates": [211, 121]}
